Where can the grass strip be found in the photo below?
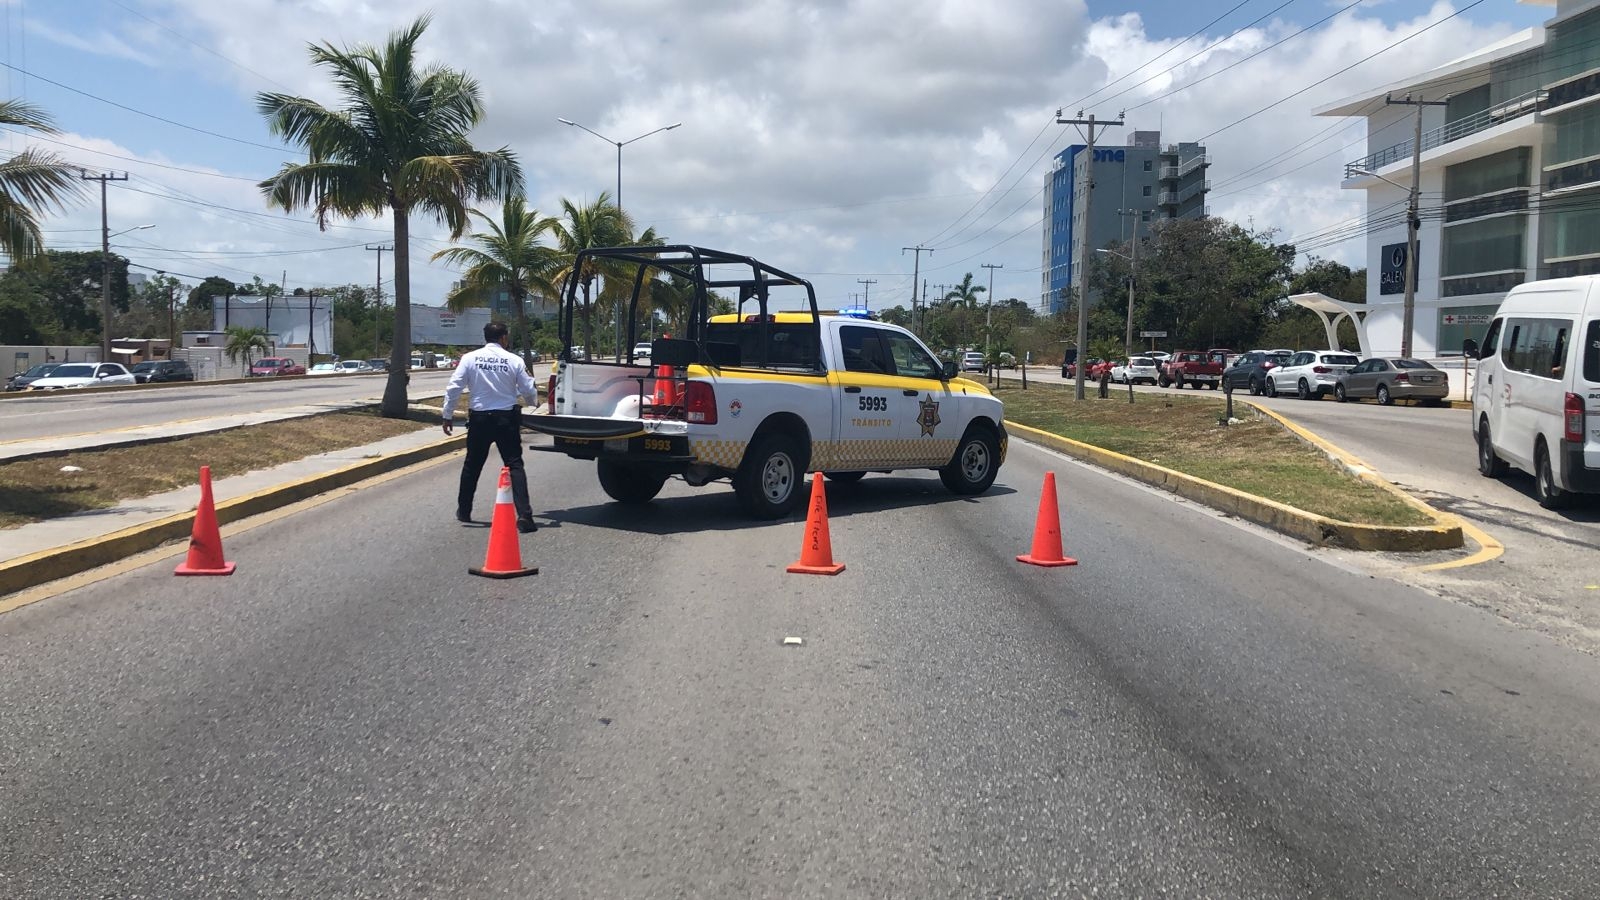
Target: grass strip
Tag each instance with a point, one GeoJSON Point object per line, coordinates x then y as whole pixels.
{"type": "Point", "coordinates": [1254, 454]}
{"type": "Point", "coordinates": [33, 490]}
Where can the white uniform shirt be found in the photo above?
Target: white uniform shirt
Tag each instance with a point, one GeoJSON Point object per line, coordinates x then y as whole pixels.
{"type": "Point", "coordinates": [494, 377]}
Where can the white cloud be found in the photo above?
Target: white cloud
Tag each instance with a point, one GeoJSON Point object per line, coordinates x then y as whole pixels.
{"type": "Point", "coordinates": [100, 43]}
{"type": "Point", "coordinates": [823, 136]}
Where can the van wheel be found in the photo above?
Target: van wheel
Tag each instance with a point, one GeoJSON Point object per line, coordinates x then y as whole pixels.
{"type": "Point", "coordinates": [1490, 465]}
{"type": "Point", "coordinates": [1383, 396]}
{"type": "Point", "coordinates": [630, 484]}
{"type": "Point", "coordinates": [1272, 387]}
{"type": "Point", "coordinates": [1338, 393]}
{"type": "Point", "coordinates": [1550, 495]}
{"type": "Point", "coordinates": [976, 463]}
{"type": "Point", "coordinates": [768, 481]}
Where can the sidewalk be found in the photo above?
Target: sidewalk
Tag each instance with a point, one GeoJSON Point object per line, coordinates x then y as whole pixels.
{"type": "Point", "coordinates": [91, 525]}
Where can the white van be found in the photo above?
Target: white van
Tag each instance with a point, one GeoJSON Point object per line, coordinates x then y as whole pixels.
{"type": "Point", "coordinates": [1538, 387]}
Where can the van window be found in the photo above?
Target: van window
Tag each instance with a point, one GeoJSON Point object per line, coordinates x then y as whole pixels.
{"type": "Point", "coordinates": [1536, 346]}
{"type": "Point", "coordinates": [1591, 352]}
{"type": "Point", "coordinates": [1490, 341]}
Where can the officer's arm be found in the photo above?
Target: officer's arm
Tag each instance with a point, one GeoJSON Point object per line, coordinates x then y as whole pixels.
{"type": "Point", "coordinates": [452, 393]}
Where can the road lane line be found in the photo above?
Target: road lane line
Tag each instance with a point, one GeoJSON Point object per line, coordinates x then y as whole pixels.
{"type": "Point", "coordinates": [1488, 549]}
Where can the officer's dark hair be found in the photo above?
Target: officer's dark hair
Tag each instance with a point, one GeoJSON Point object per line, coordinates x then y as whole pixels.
{"type": "Point", "coordinates": [494, 331]}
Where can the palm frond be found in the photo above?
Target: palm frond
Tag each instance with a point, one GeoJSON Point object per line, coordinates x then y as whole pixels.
{"type": "Point", "coordinates": [23, 114]}
{"type": "Point", "coordinates": [41, 180]}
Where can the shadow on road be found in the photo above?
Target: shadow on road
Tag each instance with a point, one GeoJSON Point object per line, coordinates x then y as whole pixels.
{"type": "Point", "coordinates": [717, 510]}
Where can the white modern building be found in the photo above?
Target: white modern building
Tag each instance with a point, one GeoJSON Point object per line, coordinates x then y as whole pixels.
{"type": "Point", "coordinates": [1509, 178]}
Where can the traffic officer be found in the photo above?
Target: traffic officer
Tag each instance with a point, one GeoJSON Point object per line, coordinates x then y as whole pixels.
{"type": "Point", "coordinates": [496, 380]}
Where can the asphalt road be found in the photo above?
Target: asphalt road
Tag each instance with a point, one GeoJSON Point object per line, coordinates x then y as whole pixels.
{"type": "Point", "coordinates": [1199, 709]}
{"type": "Point", "coordinates": [63, 413]}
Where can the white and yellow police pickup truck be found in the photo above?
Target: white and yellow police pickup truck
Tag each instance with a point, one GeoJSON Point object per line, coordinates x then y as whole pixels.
{"type": "Point", "coordinates": [760, 396]}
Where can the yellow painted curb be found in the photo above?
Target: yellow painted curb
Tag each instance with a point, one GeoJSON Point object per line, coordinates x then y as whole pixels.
{"type": "Point", "coordinates": [1319, 530]}
{"type": "Point", "coordinates": [61, 562]}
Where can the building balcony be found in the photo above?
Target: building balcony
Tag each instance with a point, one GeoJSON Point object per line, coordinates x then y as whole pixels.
{"type": "Point", "coordinates": [1181, 169]}
{"type": "Point", "coordinates": [1515, 108]}
{"type": "Point", "coordinates": [1174, 198]}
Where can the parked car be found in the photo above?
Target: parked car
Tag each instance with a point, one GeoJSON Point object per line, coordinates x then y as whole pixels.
{"type": "Point", "coordinates": [972, 361]}
{"type": "Point", "coordinates": [326, 368]}
{"type": "Point", "coordinates": [1070, 369]}
{"type": "Point", "coordinates": [1006, 360]}
{"type": "Point", "coordinates": [164, 371]}
{"type": "Point", "coordinates": [641, 350]}
{"type": "Point", "coordinates": [77, 375]}
{"type": "Point", "coordinates": [1310, 374]}
{"type": "Point", "coordinates": [1387, 379]}
{"type": "Point", "coordinates": [275, 365]}
{"type": "Point", "coordinates": [378, 364]}
{"type": "Point", "coordinates": [21, 380]}
{"type": "Point", "coordinates": [141, 371]}
{"type": "Point", "coordinates": [1196, 367]}
{"type": "Point", "coordinates": [416, 362]}
{"type": "Point", "coordinates": [355, 367]}
{"type": "Point", "coordinates": [1249, 370]}
{"type": "Point", "coordinates": [1135, 370]}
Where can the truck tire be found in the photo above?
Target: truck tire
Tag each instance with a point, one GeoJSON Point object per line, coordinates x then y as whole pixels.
{"type": "Point", "coordinates": [768, 482]}
{"type": "Point", "coordinates": [976, 463]}
{"type": "Point", "coordinates": [1177, 381]}
{"type": "Point", "coordinates": [632, 485]}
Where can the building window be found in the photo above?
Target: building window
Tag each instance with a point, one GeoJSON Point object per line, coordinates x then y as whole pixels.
{"type": "Point", "coordinates": [1574, 135]}
{"type": "Point", "coordinates": [1149, 165]}
{"type": "Point", "coordinates": [1485, 175]}
{"type": "Point", "coordinates": [1147, 190]}
{"type": "Point", "coordinates": [1144, 215]}
{"type": "Point", "coordinates": [1487, 245]}
{"type": "Point", "coordinates": [1571, 232]}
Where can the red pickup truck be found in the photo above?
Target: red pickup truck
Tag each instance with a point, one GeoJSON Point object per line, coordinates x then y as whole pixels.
{"type": "Point", "coordinates": [1196, 367]}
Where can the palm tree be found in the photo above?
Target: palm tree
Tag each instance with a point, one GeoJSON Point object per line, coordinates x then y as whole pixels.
{"type": "Point", "coordinates": [511, 257]}
{"type": "Point", "coordinates": [31, 182]}
{"type": "Point", "coordinates": [965, 297]}
{"type": "Point", "coordinates": [600, 224]}
{"type": "Point", "coordinates": [397, 145]}
{"type": "Point", "coordinates": [243, 342]}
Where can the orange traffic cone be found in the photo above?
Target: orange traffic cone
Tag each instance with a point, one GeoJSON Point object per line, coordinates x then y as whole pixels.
{"type": "Point", "coordinates": [1047, 530]}
{"type": "Point", "coordinates": [666, 391]}
{"type": "Point", "coordinates": [205, 540]}
{"type": "Point", "coordinates": [504, 559]}
{"type": "Point", "coordinates": [816, 549]}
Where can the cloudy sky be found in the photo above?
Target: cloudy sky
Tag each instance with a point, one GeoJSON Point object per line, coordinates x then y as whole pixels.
{"type": "Point", "coordinates": [821, 136]}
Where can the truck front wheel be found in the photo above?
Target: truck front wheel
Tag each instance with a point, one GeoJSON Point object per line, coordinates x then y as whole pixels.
{"type": "Point", "coordinates": [769, 479]}
{"type": "Point", "coordinates": [630, 484]}
{"type": "Point", "coordinates": [976, 463]}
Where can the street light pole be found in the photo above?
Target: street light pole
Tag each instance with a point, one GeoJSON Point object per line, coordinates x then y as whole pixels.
{"type": "Point", "coordinates": [619, 145]}
{"type": "Point", "coordinates": [988, 309]}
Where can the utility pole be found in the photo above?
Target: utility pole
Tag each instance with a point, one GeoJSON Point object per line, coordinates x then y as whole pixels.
{"type": "Point", "coordinates": [1082, 267]}
{"type": "Point", "coordinates": [105, 261]}
{"type": "Point", "coordinates": [924, 310]}
{"type": "Point", "coordinates": [866, 292]}
{"type": "Point", "coordinates": [916, 272]}
{"type": "Point", "coordinates": [1409, 313]}
{"type": "Point", "coordinates": [1133, 272]}
{"type": "Point", "coordinates": [988, 309]}
{"type": "Point", "coordinates": [377, 297]}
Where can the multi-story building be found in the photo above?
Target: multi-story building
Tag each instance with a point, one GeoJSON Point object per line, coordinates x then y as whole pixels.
{"type": "Point", "coordinates": [1135, 186]}
{"type": "Point", "coordinates": [1509, 184]}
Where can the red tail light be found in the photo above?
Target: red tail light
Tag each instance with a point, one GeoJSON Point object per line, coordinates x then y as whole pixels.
{"type": "Point", "coordinates": [1572, 414]}
{"type": "Point", "coordinates": [1403, 378]}
{"type": "Point", "coordinates": [700, 403]}
{"type": "Point", "coordinates": [1320, 370]}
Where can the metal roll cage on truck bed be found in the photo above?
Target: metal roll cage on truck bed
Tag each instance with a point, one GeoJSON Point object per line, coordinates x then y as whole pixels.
{"type": "Point", "coordinates": [759, 395]}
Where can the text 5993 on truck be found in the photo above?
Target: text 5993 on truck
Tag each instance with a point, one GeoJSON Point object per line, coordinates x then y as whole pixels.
{"type": "Point", "coordinates": [763, 394]}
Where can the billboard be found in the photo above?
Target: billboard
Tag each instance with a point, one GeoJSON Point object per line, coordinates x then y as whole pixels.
{"type": "Point", "coordinates": [288, 321]}
{"type": "Point", "coordinates": [438, 325]}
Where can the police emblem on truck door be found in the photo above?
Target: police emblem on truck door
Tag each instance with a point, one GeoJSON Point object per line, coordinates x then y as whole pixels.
{"type": "Point", "coordinates": [928, 417]}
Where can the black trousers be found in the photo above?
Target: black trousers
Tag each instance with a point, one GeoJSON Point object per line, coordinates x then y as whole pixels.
{"type": "Point", "coordinates": [503, 429]}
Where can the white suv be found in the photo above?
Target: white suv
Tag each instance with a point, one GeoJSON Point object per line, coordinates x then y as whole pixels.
{"type": "Point", "coordinates": [1310, 374]}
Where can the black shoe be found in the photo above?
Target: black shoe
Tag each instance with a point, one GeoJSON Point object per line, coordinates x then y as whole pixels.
{"type": "Point", "coordinates": [527, 526]}
{"type": "Point", "coordinates": [465, 517]}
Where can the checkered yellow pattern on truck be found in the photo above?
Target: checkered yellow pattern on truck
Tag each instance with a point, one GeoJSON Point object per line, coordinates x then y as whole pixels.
{"type": "Point", "coordinates": [838, 455]}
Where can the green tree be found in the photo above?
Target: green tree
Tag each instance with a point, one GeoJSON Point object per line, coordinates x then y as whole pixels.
{"type": "Point", "coordinates": [243, 342]}
{"type": "Point", "coordinates": [201, 295]}
{"type": "Point", "coordinates": [68, 283]}
{"type": "Point", "coordinates": [599, 224]}
{"type": "Point", "coordinates": [32, 183]}
{"type": "Point", "coordinates": [398, 145]}
{"type": "Point", "coordinates": [510, 256]}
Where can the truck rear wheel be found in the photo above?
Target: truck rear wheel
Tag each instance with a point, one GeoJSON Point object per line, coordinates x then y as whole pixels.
{"type": "Point", "coordinates": [630, 484]}
{"type": "Point", "coordinates": [769, 479]}
{"type": "Point", "coordinates": [976, 463]}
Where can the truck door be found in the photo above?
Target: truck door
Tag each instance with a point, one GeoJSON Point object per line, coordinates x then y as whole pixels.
{"type": "Point", "coordinates": [871, 403]}
{"type": "Point", "coordinates": [934, 415]}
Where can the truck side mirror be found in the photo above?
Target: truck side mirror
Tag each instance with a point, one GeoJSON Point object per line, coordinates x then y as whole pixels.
{"type": "Point", "coordinates": [950, 370]}
{"type": "Point", "coordinates": [1469, 348]}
